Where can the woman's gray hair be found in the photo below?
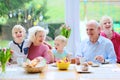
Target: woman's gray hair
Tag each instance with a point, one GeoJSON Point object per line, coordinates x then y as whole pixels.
{"type": "Point", "coordinates": [33, 30]}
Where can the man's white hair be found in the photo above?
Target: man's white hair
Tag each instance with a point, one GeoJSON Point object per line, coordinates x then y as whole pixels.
{"type": "Point", "coordinates": [33, 30]}
{"type": "Point", "coordinates": [93, 22]}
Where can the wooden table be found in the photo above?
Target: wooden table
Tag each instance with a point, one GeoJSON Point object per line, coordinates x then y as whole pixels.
{"type": "Point", "coordinates": [104, 72]}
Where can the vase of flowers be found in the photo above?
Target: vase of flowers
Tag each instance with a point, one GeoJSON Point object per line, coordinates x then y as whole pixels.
{"type": "Point", "coordinates": [65, 30]}
{"type": "Point", "coordinates": [5, 55]}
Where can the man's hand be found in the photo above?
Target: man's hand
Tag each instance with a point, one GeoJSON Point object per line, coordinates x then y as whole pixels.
{"type": "Point", "coordinates": [100, 58]}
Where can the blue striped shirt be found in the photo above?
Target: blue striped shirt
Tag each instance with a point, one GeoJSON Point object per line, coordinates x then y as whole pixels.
{"type": "Point", "coordinates": [103, 47]}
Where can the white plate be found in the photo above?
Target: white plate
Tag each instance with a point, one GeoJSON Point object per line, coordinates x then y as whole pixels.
{"type": "Point", "coordinates": [95, 65]}
{"type": "Point", "coordinates": [54, 64]}
{"type": "Point", "coordinates": [80, 71]}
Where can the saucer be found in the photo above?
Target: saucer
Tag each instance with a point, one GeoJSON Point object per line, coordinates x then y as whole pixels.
{"type": "Point", "coordinates": [95, 65]}
{"type": "Point", "coordinates": [54, 64]}
{"type": "Point", "coordinates": [79, 70]}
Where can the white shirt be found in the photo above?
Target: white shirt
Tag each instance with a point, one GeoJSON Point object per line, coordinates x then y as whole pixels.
{"type": "Point", "coordinates": [19, 50]}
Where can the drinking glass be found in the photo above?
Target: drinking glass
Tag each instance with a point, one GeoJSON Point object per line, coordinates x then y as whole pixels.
{"type": "Point", "coordinates": [20, 61]}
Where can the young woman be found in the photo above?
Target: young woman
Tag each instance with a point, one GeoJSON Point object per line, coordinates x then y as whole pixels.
{"type": "Point", "coordinates": [107, 31]}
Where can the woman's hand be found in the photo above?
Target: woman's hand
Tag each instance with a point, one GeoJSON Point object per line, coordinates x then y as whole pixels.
{"type": "Point", "coordinates": [51, 55]}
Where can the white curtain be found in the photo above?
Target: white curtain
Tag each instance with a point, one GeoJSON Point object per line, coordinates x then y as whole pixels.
{"type": "Point", "coordinates": [72, 18]}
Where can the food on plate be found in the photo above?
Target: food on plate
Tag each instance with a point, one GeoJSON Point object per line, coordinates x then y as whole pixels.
{"type": "Point", "coordinates": [90, 62]}
{"type": "Point", "coordinates": [84, 66]}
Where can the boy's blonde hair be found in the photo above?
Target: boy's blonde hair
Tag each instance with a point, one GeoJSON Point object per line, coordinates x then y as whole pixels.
{"type": "Point", "coordinates": [62, 39]}
{"type": "Point", "coordinates": [33, 30]}
{"type": "Point", "coordinates": [18, 27]}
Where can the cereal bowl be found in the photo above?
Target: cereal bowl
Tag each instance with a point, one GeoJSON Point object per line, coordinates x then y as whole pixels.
{"type": "Point", "coordinates": [63, 65]}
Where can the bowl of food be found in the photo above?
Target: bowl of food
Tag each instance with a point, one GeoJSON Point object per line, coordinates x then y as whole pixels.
{"type": "Point", "coordinates": [36, 65]}
{"type": "Point", "coordinates": [63, 64]}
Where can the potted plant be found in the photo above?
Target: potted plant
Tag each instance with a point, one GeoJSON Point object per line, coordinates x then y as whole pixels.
{"type": "Point", "coordinates": [5, 55]}
{"type": "Point", "coordinates": [65, 30]}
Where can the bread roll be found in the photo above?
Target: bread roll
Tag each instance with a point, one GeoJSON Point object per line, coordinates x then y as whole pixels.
{"type": "Point", "coordinates": [90, 62]}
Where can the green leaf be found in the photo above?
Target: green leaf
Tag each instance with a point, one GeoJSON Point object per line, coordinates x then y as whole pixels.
{"type": "Point", "coordinates": [5, 55]}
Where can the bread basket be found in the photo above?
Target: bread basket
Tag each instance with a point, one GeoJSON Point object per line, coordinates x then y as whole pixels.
{"type": "Point", "coordinates": [35, 66]}
{"type": "Point", "coordinates": [35, 69]}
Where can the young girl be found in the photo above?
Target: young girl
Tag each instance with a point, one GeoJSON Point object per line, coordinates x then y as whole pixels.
{"type": "Point", "coordinates": [19, 45]}
{"type": "Point", "coordinates": [59, 50]}
{"type": "Point", "coordinates": [108, 32]}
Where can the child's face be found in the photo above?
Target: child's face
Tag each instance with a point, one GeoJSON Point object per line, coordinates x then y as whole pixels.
{"type": "Point", "coordinates": [107, 24]}
{"type": "Point", "coordinates": [18, 34]}
{"type": "Point", "coordinates": [40, 37]}
{"type": "Point", "coordinates": [59, 45]}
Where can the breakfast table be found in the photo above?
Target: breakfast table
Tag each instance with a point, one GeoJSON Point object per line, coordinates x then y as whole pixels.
{"type": "Point", "coordinates": [51, 72]}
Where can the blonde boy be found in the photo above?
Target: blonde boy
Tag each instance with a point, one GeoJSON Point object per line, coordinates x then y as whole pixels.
{"type": "Point", "coordinates": [19, 45]}
{"type": "Point", "coordinates": [59, 51]}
